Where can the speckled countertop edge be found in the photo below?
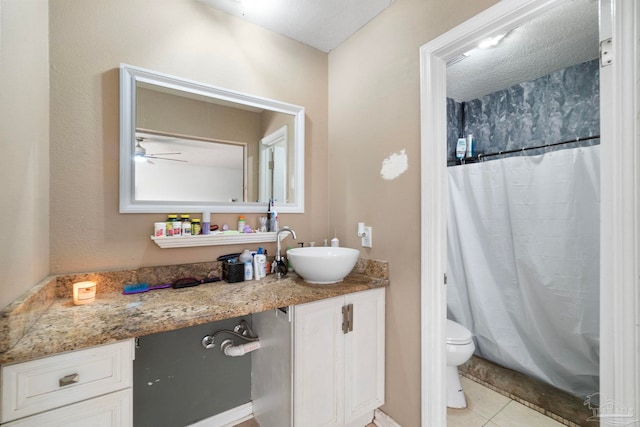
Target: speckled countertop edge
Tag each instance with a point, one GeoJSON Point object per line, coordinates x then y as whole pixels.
{"type": "Point", "coordinates": [113, 317]}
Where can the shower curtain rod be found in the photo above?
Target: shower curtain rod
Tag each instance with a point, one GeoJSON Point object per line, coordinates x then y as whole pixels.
{"type": "Point", "coordinates": [517, 150]}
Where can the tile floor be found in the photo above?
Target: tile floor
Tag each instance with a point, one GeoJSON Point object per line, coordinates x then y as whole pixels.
{"type": "Point", "coordinates": [253, 423]}
{"type": "Point", "coordinates": [487, 408]}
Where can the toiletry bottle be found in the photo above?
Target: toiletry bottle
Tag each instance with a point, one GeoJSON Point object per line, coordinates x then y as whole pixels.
{"type": "Point", "coordinates": [471, 146]}
{"type": "Point", "coordinates": [274, 219]}
{"type": "Point", "coordinates": [268, 224]}
{"type": "Point", "coordinates": [248, 271]}
{"type": "Point", "coordinates": [267, 264]}
{"type": "Point", "coordinates": [186, 225]}
{"type": "Point", "coordinates": [160, 229]}
{"type": "Point", "coordinates": [335, 242]}
{"type": "Point", "coordinates": [461, 148]}
{"type": "Point", "coordinates": [177, 227]}
{"type": "Point", "coordinates": [259, 265]}
{"type": "Point", "coordinates": [195, 227]}
{"type": "Point", "coordinates": [241, 224]}
{"type": "Point", "coordinates": [206, 222]}
{"type": "Point", "coordinates": [170, 220]}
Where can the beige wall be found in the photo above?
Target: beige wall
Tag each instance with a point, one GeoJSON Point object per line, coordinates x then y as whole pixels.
{"type": "Point", "coordinates": [179, 37]}
{"type": "Point", "coordinates": [372, 82]}
{"type": "Point", "coordinates": [374, 111]}
{"type": "Point", "coordinates": [24, 138]}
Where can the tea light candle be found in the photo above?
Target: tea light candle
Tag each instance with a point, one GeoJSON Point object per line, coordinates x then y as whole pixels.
{"type": "Point", "coordinates": [84, 292]}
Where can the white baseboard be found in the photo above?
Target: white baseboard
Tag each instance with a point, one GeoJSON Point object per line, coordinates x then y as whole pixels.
{"type": "Point", "coordinates": [381, 419]}
{"type": "Point", "coordinates": [245, 412]}
{"type": "Point", "coordinates": [228, 418]}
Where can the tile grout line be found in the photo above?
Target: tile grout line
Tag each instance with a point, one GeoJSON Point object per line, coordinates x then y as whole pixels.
{"type": "Point", "coordinates": [515, 398]}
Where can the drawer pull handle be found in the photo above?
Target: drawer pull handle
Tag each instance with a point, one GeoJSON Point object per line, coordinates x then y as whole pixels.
{"type": "Point", "coordinates": [69, 379]}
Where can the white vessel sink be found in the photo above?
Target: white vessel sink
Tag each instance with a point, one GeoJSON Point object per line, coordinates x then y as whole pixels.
{"type": "Point", "coordinates": [323, 265]}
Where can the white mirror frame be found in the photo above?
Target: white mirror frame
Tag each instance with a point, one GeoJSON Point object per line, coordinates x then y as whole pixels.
{"type": "Point", "coordinates": [129, 76]}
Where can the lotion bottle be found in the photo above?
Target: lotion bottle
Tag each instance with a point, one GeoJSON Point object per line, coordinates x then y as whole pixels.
{"type": "Point", "coordinates": [248, 271]}
{"type": "Point", "coordinates": [259, 265]}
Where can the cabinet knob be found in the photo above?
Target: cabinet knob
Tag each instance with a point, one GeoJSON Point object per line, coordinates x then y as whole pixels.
{"type": "Point", "coordinates": [69, 379]}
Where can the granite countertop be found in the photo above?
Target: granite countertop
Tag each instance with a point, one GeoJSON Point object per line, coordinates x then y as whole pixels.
{"type": "Point", "coordinates": [113, 317]}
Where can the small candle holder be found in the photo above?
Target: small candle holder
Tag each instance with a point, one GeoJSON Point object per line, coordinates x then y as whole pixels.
{"type": "Point", "coordinates": [84, 292]}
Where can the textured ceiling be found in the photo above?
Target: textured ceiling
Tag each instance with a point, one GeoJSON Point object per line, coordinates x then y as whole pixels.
{"type": "Point", "coordinates": [322, 24]}
{"type": "Point", "coordinates": [564, 36]}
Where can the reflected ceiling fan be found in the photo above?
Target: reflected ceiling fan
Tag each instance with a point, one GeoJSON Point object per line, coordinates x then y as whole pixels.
{"type": "Point", "coordinates": [142, 156]}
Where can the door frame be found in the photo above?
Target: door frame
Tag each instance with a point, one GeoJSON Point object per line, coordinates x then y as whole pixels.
{"type": "Point", "coordinates": [620, 181]}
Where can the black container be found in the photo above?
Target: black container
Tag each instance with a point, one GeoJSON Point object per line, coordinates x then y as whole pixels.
{"type": "Point", "coordinates": [233, 272]}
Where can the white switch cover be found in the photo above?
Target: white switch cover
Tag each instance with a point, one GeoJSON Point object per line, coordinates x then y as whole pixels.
{"type": "Point", "coordinates": [367, 239]}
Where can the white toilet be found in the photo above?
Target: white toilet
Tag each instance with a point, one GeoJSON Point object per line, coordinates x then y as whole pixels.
{"type": "Point", "coordinates": [460, 347]}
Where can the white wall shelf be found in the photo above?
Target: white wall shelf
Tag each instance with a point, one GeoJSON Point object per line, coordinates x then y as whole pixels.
{"type": "Point", "coordinates": [214, 239]}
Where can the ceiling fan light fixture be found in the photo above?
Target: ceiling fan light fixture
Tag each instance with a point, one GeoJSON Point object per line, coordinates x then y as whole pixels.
{"type": "Point", "coordinates": [140, 154]}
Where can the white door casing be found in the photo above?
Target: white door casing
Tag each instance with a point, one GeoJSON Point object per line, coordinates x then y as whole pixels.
{"type": "Point", "coordinates": [619, 383]}
{"type": "Point", "coordinates": [619, 97]}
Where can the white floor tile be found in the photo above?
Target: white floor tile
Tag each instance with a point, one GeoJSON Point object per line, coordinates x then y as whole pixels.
{"type": "Point", "coordinates": [464, 418]}
{"type": "Point", "coordinates": [482, 400]}
{"type": "Point", "coordinates": [518, 415]}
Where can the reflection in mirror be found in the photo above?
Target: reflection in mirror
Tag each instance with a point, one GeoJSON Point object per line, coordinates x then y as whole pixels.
{"type": "Point", "coordinates": [273, 165]}
{"type": "Point", "coordinates": [162, 156]}
{"type": "Point", "coordinates": [188, 146]}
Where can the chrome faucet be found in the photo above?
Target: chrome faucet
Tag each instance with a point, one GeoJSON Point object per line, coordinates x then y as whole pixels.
{"type": "Point", "coordinates": [281, 267]}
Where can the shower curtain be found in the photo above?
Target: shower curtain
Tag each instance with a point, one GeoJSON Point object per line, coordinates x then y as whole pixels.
{"type": "Point", "coordinates": [523, 263]}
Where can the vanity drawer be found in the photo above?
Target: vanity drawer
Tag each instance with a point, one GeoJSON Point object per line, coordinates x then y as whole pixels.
{"type": "Point", "coordinates": [51, 382]}
{"type": "Point", "coordinates": [113, 409]}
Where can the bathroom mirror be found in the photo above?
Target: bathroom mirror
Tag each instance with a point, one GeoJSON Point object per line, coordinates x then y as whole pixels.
{"type": "Point", "coordinates": [187, 146]}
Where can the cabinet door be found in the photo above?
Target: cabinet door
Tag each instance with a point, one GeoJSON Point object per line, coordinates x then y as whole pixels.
{"type": "Point", "coordinates": [111, 410]}
{"type": "Point", "coordinates": [364, 354]}
{"type": "Point", "coordinates": [319, 364]}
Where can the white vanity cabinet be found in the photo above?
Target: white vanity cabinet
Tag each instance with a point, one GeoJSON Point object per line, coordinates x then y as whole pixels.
{"type": "Point", "coordinates": [80, 388]}
{"type": "Point", "coordinates": [338, 363]}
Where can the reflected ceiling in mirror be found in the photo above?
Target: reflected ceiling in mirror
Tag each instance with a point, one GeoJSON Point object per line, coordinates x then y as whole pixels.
{"type": "Point", "coordinates": [187, 146]}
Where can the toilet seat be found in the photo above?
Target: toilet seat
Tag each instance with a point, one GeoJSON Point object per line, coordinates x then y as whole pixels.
{"type": "Point", "coordinates": [457, 334]}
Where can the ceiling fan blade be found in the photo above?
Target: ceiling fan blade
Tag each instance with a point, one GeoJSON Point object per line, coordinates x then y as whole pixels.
{"type": "Point", "coordinates": [165, 158]}
{"type": "Point", "coordinates": [141, 138]}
